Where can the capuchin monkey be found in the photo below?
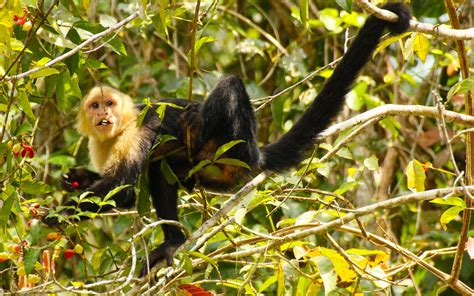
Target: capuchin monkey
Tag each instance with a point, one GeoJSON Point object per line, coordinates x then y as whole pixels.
{"type": "Point", "coordinates": [121, 148]}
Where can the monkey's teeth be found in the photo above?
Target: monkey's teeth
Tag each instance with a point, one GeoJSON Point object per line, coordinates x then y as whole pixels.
{"type": "Point", "coordinates": [104, 122]}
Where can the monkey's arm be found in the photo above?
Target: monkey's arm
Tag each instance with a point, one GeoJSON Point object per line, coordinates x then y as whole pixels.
{"type": "Point", "coordinates": [78, 179]}
{"type": "Point", "coordinates": [99, 186]}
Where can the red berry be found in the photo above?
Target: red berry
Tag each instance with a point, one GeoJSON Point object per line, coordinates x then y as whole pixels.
{"type": "Point", "coordinates": [69, 253]}
{"type": "Point", "coordinates": [15, 18]}
{"type": "Point", "coordinates": [75, 184]}
{"type": "Point", "coordinates": [28, 149]}
{"type": "Point", "coordinates": [17, 248]}
{"type": "Point", "coordinates": [20, 21]}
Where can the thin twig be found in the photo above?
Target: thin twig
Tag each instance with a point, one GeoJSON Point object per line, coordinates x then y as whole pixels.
{"type": "Point", "coordinates": [75, 50]}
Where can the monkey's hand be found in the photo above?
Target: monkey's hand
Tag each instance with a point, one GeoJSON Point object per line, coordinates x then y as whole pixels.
{"type": "Point", "coordinates": [50, 221]}
{"type": "Point", "coordinates": [164, 252]}
{"type": "Point", "coordinates": [191, 122]}
{"type": "Point", "coordinates": [78, 179]}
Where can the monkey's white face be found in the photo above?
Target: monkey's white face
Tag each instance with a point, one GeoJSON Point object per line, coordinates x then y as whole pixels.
{"type": "Point", "coordinates": [105, 113]}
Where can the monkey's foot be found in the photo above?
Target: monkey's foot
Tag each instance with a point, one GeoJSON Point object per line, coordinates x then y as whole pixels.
{"type": "Point", "coordinates": [164, 252]}
{"type": "Point", "coordinates": [191, 120]}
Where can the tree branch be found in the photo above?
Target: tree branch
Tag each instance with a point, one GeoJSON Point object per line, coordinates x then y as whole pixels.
{"type": "Point", "coordinates": [435, 30]}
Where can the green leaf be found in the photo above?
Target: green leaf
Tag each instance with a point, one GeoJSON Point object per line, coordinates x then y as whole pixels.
{"type": "Point", "coordinates": [421, 46]}
{"type": "Point", "coordinates": [143, 200]}
{"type": "Point", "coordinates": [268, 282]}
{"type": "Point", "coordinates": [449, 215]}
{"type": "Point", "coordinates": [365, 252]}
{"type": "Point", "coordinates": [327, 273]}
{"type": "Point", "coordinates": [97, 259]}
{"type": "Point", "coordinates": [304, 12]}
{"type": "Point", "coordinates": [346, 186]}
{"type": "Point", "coordinates": [31, 256]}
{"type": "Point", "coordinates": [35, 232]}
{"type": "Point", "coordinates": [344, 152]}
{"type": "Point", "coordinates": [345, 4]}
{"type": "Point", "coordinates": [224, 148]}
{"type": "Point", "coordinates": [239, 215]}
{"type": "Point", "coordinates": [341, 266]}
{"type": "Point", "coordinates": [62, 160]}
{"type": "Point", "coordinates": [330, 19]}
{"type": "Point", "coordinates": [141, 115]}
{"type": "Point", "coordinates": [114, 191]}
{"type": "Point", "coordinates": [213, 170]}
{"type": "Point", "coordinates": [204, 257]}
{"type": "Point", "coordinates": [326, 146]}
{"type": "Point", "coordinates": [162, 18]}
{"type": "Point", "coordinates": [168, 173]}
{"type": "Point", "coordinates": [44, 72]}
{"type": "Point", "coordinates": [387, 42]}
{"type": "Point", "coordinates": [462, 87]}
{"type": "Point", "coordinates": [35, 187]}
{"type": "Point", "coordinates": [187, 264]}
{"type": "Point", "coordinates": [306, 218]}
{"type": "Point", "coordinates": [107, 21]}
{"type": "Point", "coordinates": [391, 124]}
{"type": "Point", "coordinates": [26, 107]}
{"type": "Point", "coordinates": [232, 161]}
{"type": "Point", "coordinates": [450, 200]}
{"type": "Point", "coordinates": [198, 167]}
{"type": "Point", "coordinates": [415, 176]}
{"type": "Point", "coordinates": [6, 209]}
{"type": "Point", "coordinates": [324, 170]}
{"type": "Point", "coordinates": [117, 46]}
{"type": "Point", "coordinates": [372, 163]}
{"type": "Point", "coordinates": [201, 42]}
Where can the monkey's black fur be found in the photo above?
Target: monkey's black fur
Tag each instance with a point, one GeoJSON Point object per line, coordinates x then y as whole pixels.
{"type": "Point", "coordinates": [225, 116]}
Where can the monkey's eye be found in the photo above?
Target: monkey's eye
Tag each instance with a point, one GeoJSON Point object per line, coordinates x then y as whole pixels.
{"type": "Point", "coordinates": [109, 103]}
{"type": "Point", "coordinates": [94, 105]}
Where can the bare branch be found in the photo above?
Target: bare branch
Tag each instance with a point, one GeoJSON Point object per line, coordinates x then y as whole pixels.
{"type": "Point", "coordinates": [435, 30]}
{"type": "Point", "coordinates": [396, 110]}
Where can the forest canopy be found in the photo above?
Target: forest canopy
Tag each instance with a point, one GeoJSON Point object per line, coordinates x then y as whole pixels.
{"type": "Point", "coordinates": [382, 204]}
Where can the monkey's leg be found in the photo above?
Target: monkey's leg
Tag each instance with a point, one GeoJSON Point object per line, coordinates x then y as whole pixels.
{"type": "Point", "coordinates": [164, 197]}
{"type": "Point", "coordinates": [228, 116]}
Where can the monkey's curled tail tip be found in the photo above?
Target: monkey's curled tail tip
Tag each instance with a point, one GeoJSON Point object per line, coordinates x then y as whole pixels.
{"type": "Point", "coordinates": [404, 17]}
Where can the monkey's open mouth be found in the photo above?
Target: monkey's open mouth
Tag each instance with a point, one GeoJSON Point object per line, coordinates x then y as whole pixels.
{"type": "Point", "coordinates": [104, 122]}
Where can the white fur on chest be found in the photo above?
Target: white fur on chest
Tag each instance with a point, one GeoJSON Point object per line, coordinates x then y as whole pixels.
{"type": "Point", "coordinates": [106, 155]}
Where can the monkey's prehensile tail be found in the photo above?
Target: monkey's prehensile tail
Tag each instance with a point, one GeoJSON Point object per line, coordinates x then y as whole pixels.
{"type": "Point", "coordinates": [292, 147]}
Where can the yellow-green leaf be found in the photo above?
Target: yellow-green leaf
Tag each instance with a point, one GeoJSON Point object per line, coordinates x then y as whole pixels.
{"type": "Point", "coordinates": [372, 163]}
{"type": "Point", "coordinates": [421, 46]}
{"type": "Point", "coordinates": [450, 200]}
{"type": "Point", "coordinates": [304, 11]}
{"type": "Point", "coordinates": [449, 215]}
{"type": "Point", "coordinates": [389, 41]}
{"type": "Point", "coordinates": [280, 279]}
{"type": "Point", "coordinates": [233, 161]}
{"type": "Point", "coordinates": [415, 176]}
{"type": "Point", "coordinates": [44, 72]}
{"type": "Point", "coordinates": [223, 149]}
